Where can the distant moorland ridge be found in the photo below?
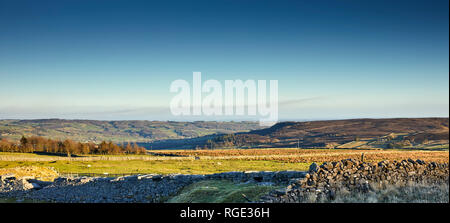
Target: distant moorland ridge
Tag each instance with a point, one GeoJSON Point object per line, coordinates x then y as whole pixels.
{"type": "Point", "coordinates": [417, 133]}
{"type": "Point", "coordinates": [117, 131]}
{"type": "Point", "coordinates": [352, 133]}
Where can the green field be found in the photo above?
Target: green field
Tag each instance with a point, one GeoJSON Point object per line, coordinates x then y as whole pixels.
{"type": "Point", "coordinates": [159, 166]}
{"type": "Point", "coordinates": [208, 161]}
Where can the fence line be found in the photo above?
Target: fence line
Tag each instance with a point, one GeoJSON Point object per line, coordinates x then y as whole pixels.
{"type": "Point", "coordinates": [97, 174]}
{"type": "Point", "coordinates": [92, 158]}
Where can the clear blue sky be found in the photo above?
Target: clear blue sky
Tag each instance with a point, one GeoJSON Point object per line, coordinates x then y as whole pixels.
{"type": "Point", "coordinates": [116, 59]}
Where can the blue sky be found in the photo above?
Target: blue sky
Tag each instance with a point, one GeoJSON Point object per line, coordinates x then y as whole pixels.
{"type": "Point", "coordinates": [114, 60]}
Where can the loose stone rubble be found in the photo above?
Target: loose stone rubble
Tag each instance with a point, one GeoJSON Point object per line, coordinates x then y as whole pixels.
{"type": "Point", "coordinates": [137, 188]}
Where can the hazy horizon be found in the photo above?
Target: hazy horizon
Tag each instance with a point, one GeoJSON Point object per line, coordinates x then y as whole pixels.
{"type": "Point", "coordinates": [224, 120]}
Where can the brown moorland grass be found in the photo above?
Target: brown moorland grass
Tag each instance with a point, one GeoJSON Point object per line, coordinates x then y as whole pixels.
{"type": "Point", "coordinates": [315, 155]}
{"type": "Point", "coordinates": [284, 155]}
{"type": "Point", "coordinates": [248, 152]}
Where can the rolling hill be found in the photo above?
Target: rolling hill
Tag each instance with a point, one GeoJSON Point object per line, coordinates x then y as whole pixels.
{"type": "Point", "coordinates": [424, 133]}
{"type": "Point", "coordinates": [117, 131]}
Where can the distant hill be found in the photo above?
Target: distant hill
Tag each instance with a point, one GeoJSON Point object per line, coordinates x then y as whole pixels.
{"type": "Point", "coordinates": [118, 131]}
{"type": "Point", "coordinates": [424, 133]}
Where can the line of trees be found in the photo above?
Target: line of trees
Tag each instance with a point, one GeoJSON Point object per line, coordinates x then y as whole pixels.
{"type": "Point", "coordinates": [68, 147]}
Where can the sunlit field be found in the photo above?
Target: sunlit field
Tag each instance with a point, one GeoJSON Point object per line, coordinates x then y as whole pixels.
{"type": "Point", "coordinates": [209, 161]}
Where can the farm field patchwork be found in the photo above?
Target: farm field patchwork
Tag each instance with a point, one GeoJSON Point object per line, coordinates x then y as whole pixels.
{"type": "Point", "coordinates": [209, 161]}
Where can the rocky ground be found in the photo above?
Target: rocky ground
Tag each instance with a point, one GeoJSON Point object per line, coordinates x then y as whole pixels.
{"type": "Point", "coordinates": [130, 189]}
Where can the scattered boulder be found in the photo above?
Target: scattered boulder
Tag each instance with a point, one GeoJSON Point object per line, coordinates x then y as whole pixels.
{"type": "Point", "coordinates": [313, 168]}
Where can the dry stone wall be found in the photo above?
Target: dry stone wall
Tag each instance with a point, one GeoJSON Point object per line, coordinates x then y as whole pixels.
{"type": "Point", "coordinates": [353, 175]}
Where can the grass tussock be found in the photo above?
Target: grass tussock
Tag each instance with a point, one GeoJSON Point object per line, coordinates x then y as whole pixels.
{"type": "Point", "coordinates": [410, 193]}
